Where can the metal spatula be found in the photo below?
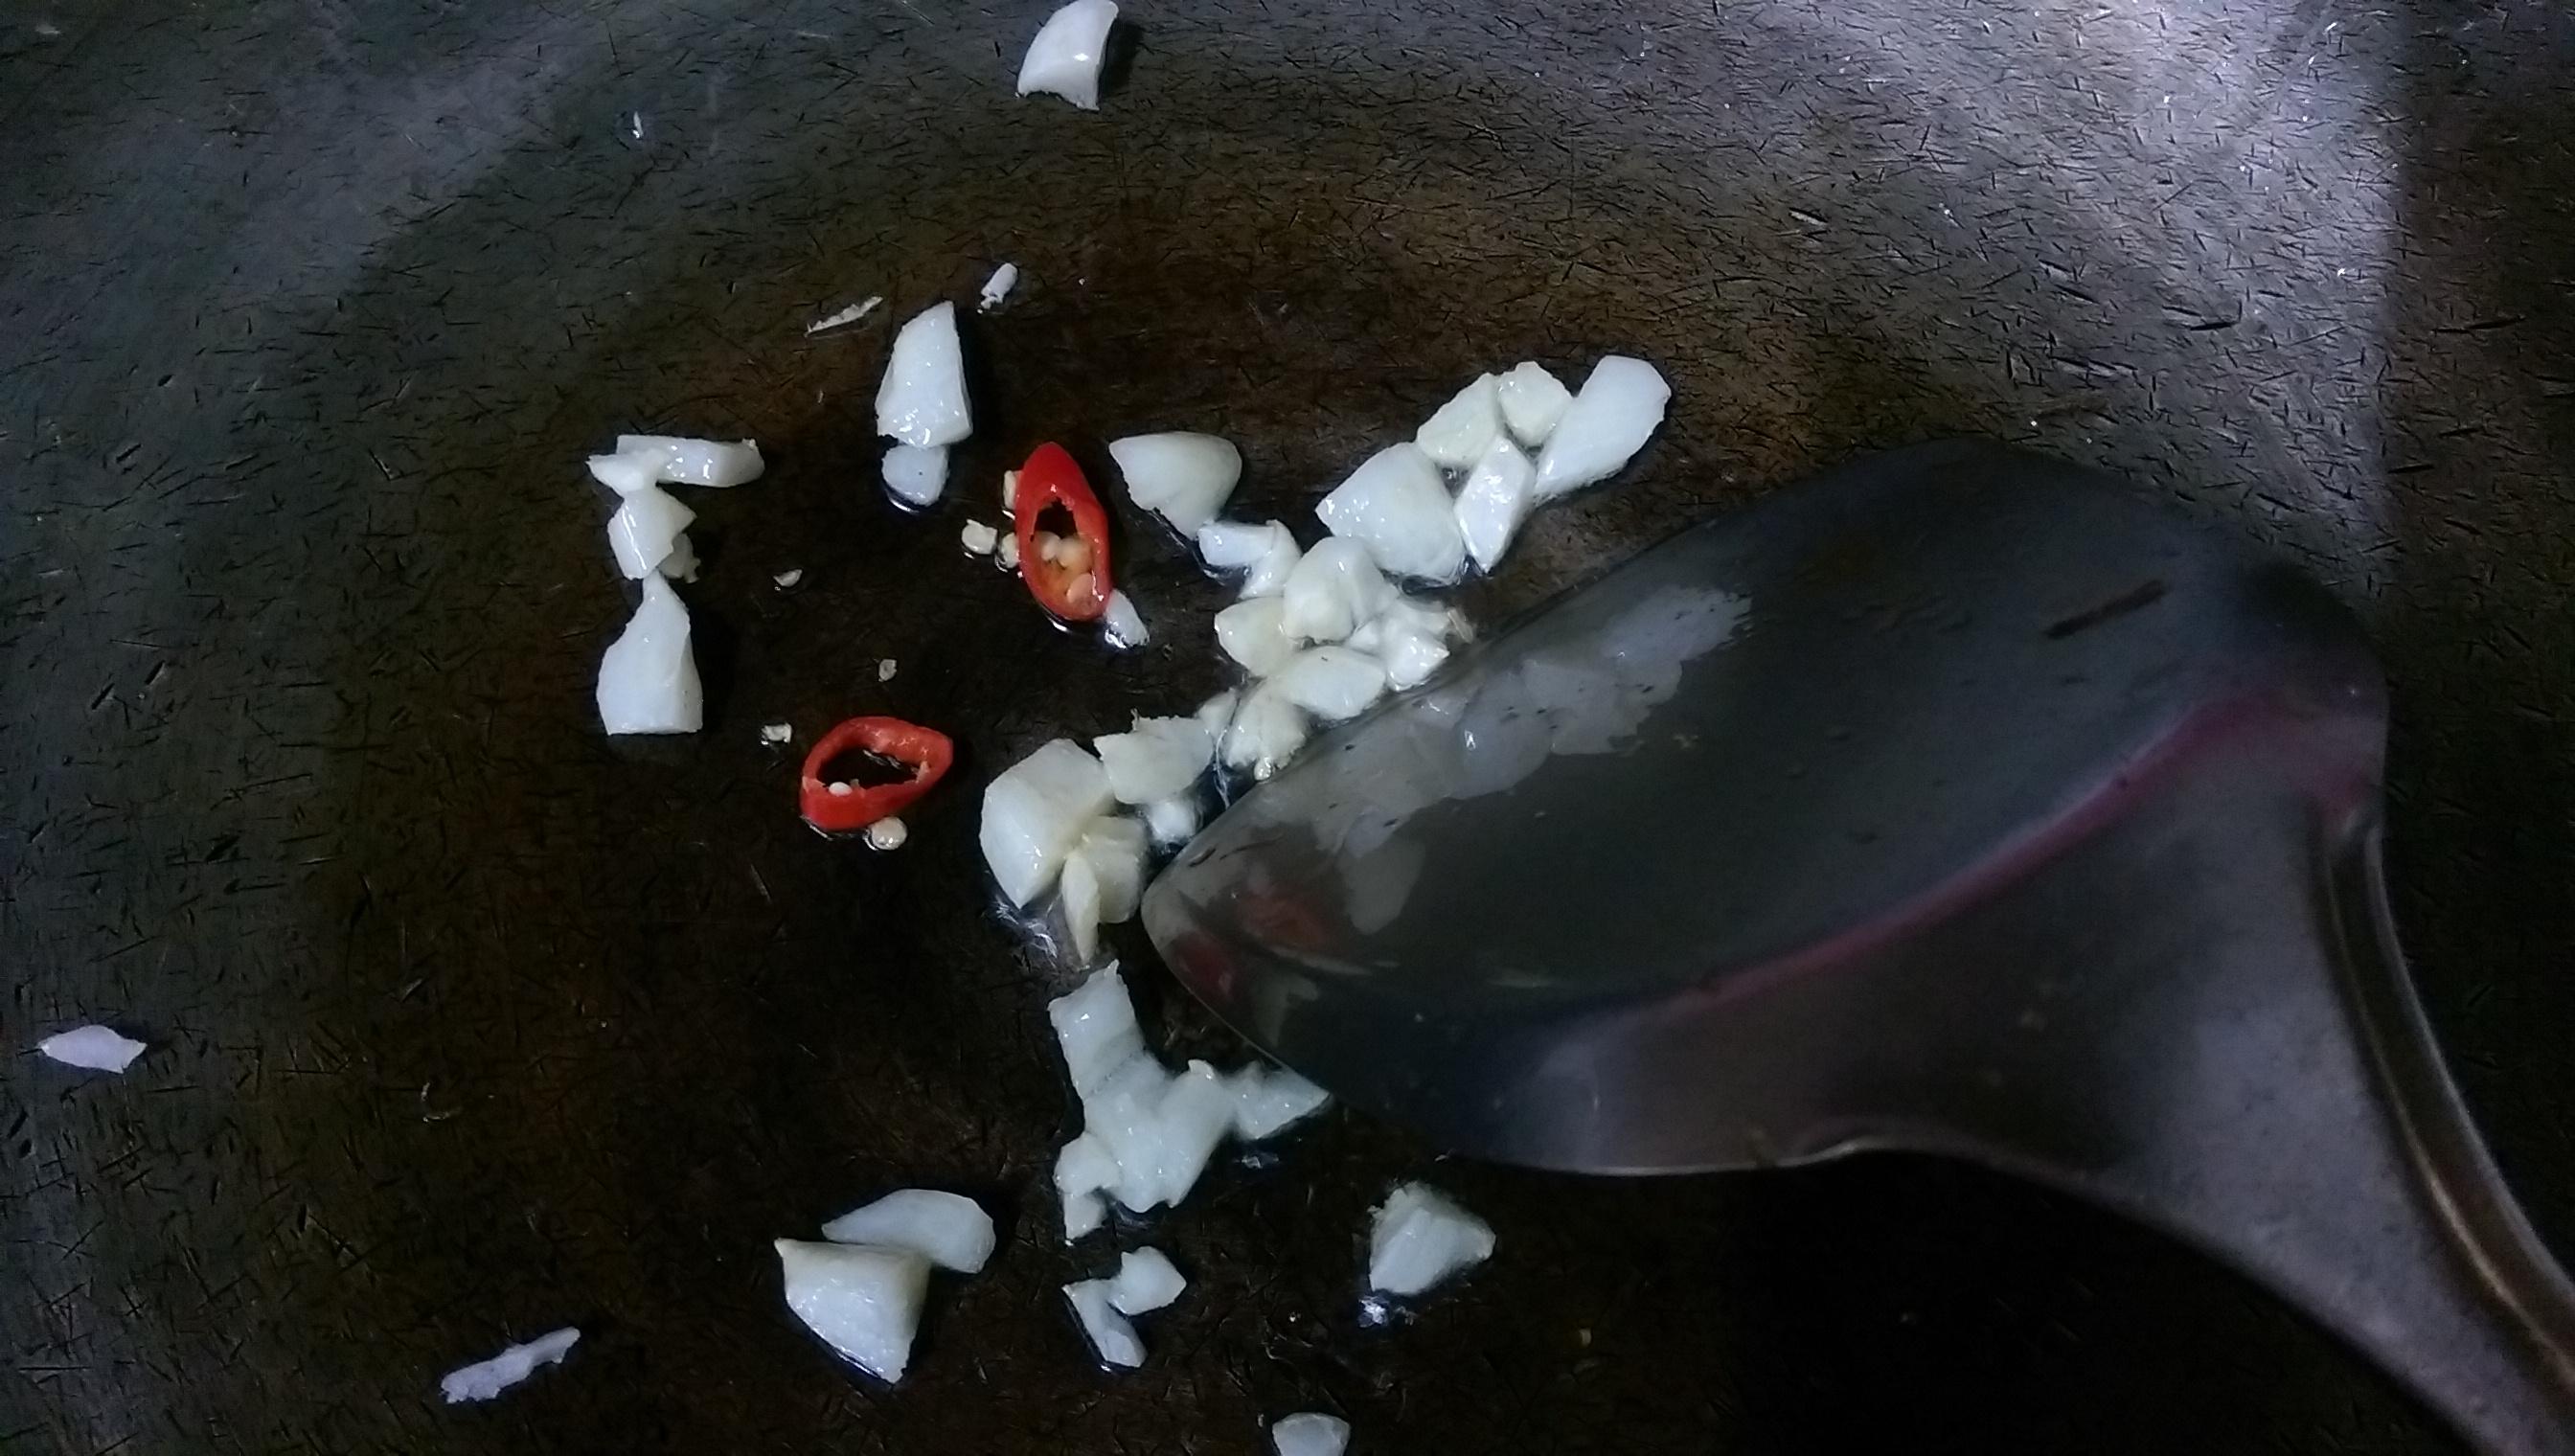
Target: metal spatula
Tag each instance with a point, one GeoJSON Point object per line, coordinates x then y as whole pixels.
{"type": "Point", "coordinates": [1959, 802]}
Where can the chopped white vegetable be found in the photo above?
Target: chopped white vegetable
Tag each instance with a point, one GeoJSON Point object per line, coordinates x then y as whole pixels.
{"type": "Point", "coordinates": [978, 538]}
{"type": "Point", "coordinates": [1420, 1239]}
{"type": "Point", "coordinates": [1396, 503]}
{"type": "Point", "coordinates": [1268, 1100]}
{"type": "Point", "coordinates": [863, 1301]}
{"type": "Point", "coordinates": [1036, 811]}
{"type": "Point", "coordinates": [626, 474]}
{"type": "Point", "coordinates": [488, 1378]}
{"type": "Point", "coordinates": [1103, 879]}
{"type": "Point", "coordinates": [1005, 552]}
{"type": "Point", "coordinates": [1113, 1337]}
{"type": "Point", "coordinates": [682, 563]}
{"type": "Point", "coordinates": [645, 530]}
{"type": "Point", "coordinates": [788, 578]}
{"type": "Point", "coordinates": [647, 682]}
{"type": "Point", "coordinates": [1617, 413]}
{"type": "Point", "coordinates": [949, 1230]}
{"type": "Point", "coordinates": [1494, 501]}
{"type": "Point", "coordinates": [1533, 402]}
{"type": "Point", "coordinates": [1183, 478]}
{"type": "Point", "coordinates": [997, 287]}
{"type": "Point", "coordinates": [849, 315]}
{"type": "Point", "coordinates": [1145, 1281]}
{"type": "Point", "coordinates": [1265, 554]}
{"type": "Point", "coordinates": [690, 461]}
{"type": "Point", "coordinates": [922, 398]}
{"type": "Point", "coordinates": [1172, 820]}
{"type": "Point", "coordinates": [1309, 1433]}
{"type": "Point", "coordinates": [1217, 713]}
{"type": "Point", "coordinates": [888, 834]}
{"type": "Point", "coordinates": [1010, 491]}
{"type": "Point", "coordinates": [884, 670]}
{"type": "Point", "coordinates": [1066, 57]}
{"type": "Point", "coordinates": [777, 733]}
{"type": "Point", "coordinates": [917, 475]}
{"type": "Point", "coordinates": [1156, 759]}
{"type": "Point", "coordinates": [1146, 1134]}
{"type": "Point", "coordinates": [1458, 435]}
{"type": "Point", "coordinates": [1254, 634]}
{"type": "Point", "coordinates": [1331, 682]}
{"type": "Point", "coordinates": [1123, 625]}
{"type": "Point", "coordinates": [1333, 588]}
{"type": "Point", "coordinates": [1267, 731]}
{"type": "Point", "coordinates": [97, 1048]}
{"type": "Point", "coordinates": [1412, 639]}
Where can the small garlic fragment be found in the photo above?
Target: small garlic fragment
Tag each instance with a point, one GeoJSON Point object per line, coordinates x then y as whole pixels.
{"type": "Point", "coordinates": [777, 733]}
{"type": "Point", "coordinates": [887, 834]}
{"type": "Point", "coordinates": [978, 539]}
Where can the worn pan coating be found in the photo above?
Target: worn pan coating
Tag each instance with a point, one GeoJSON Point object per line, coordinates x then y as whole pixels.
{"type": "Point", "coordinates": [467, 1023]}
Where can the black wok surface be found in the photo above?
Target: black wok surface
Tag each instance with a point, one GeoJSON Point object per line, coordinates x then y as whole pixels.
{"type": "Point", "coordinates": [469, 1023]}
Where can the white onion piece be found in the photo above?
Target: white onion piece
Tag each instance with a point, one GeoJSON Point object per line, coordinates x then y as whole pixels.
{"type": "Point", "coordinates": [1254, 634]}
{"type": "Point", "coordinates": [978, 538]}
{"type": "Point", "coordinates": [1156, 759]}
{"type": "Point", "coordinates": [626, 474]}
{"type": "Point", "coordinates": [682, 563]}
{"type": "Point", "coordinates": [1333, 588]}
{"type": "Point", "coordinates": [1309, 1433]}
{"type": "Point", "coordinates": [1494, 501]}
{"type": "Point", "coordinates": [647, 682]}
{"type": "Point", "coordinates": [1396, 503]}
{"type": "Point", "coordinates": [1172, 820]}
{"type": "Point", "coordinates": [1267, 731]}
{"type": "Point", "coordinates": [1420, 1239]}
{"type": "Point", "coordinates": [1533, 402]}
{"type": "Point", "coordinates": [95, 1049]}
{"type": "Point", "coordinates": [1266, 554]}
{"type": "Point", "coordinates": [1456, 437]}
{"type": "Point", "coordinates": [1113, 1337]}
{"type": "Point", "coordinates": [1123, 625]}
{"type": "Point", "coordinates": [917, 475]}
{"type": "Point", "coordinates": [1103, 879]}
{"type": "Point", "coordinates": [1145, 1281]}
{"type": "Point", "coordinates": [849, 315]}
{"type": "Point", "coordinates": [1146, 1134]}
{"type": "Point", "coordinates": [1617, 413]}
{"type": "Point", "coordinates": [997, 288]}
{"type": "Point", "coordinates": [1183, 478]}
{"type": "Point", "coordinates": [487, 1378]}
{"type": "Point", "coordinates": [1036, 811]}
{"type": "Point", "coordinates": [1268, 1100]}
{"type": "Point", "coordinates": [921, 400]}
{"type": "Point", "coordinates": [949, 1230]}
{"type": "Point", "coordinates": [685, 460]}
{"type": "Point", "coordinates": [864, 1301]}
{"type": "Point", "coordinates": [1066, 57]}
{"type": "Point", "coordinates": [1217, 713]}
{"type": "Point", "coordinates": [1331, 682]}
{"type": "Point", "coordinates": [1413, 640]}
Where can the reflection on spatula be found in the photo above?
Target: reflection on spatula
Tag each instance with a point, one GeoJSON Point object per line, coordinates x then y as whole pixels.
{"type": "Point", "coordinates": [1958, 802]}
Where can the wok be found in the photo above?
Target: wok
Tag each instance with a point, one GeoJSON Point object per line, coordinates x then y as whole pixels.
{"type": "Point", "coordinates": [469, 1023]}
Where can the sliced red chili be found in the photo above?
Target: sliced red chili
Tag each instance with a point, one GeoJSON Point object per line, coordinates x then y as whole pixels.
{"type": "Point", "coordinates": [1069, 575]}
{"type": "Point", "coordinates": [835, 806]}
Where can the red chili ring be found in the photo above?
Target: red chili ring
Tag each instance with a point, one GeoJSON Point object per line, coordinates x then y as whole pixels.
{"type": "Point", "coordinates": [926, 752]}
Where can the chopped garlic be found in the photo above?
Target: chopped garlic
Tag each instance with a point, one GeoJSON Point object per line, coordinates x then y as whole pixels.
{"type": "Point", "coordinates": [884, 670]}
{"type": "Point", "coordinates": [1533, 402]}
{"type": "Point", "coordinates": [887, 834]}
{"type": "Point", "coordinates": [1420, 1239]}
{"type": "Point", "coordinates": [1145, 1281]}
{"type": "Point", "coordinates": [849, 315]}
{"type": "Point", "coordinates": [951, 1231]}
{"type": "Point", "coordinates": [93, 1049]}
{"type": "Point", "coordinates": [864, 1301]}
{"type": "Point", "coordinates": [789, 578]}
{"type": "Point", "coordinates": [1457, 436]}
{"type": "Point", "coordinates": [1156, 759]}
{"type": "Point", "coordinates": [997, 288]}
{"type": "Point", "coordinates": [488, 1378]}
{"type": "Point", "coordinates": [1123, 625]}
{"type": "Point", "coordinates": [1008, 552]}
{"type": "Point", "coordinates": [777, 733]}
{"type": "Point", "coordinates": [1113, 1338]}
{"type": "Point", "coordinates": [690, 461]}
{"type": "Point", "coordinates": [1309, 1433]}
{"type": "Point", "coordinates": [1396, 503]}
{"type": "Point", "coordinates": [1066, 57]}
{"type": "Point", "coordinates": [978, 538]}
{"type": "Point", "coordinates": [1036, 811]}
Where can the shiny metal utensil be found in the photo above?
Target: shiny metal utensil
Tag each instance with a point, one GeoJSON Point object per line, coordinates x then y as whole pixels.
{"type": "Point", "coordinates": [1958, 802]}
